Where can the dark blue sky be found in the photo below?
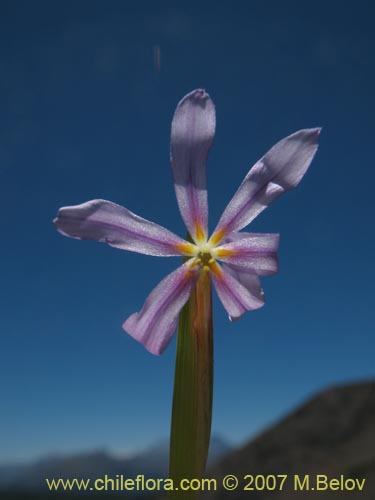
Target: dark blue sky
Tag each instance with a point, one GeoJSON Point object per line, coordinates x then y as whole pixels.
{"type": "Point", "coordinates": [84, 114]}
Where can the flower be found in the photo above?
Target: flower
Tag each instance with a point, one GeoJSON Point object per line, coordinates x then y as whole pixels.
{"type": "Point", "coordinates": [243, 256]}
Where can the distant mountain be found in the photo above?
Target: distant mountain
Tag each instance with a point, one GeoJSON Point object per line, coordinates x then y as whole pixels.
{"type": "Point", "coordinates": [152, 462]}
{"type": "Point", "coordinates": [333, 434]}
{"type": "Point", "coordinates": [155, 460]}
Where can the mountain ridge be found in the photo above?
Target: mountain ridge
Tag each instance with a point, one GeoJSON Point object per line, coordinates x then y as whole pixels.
{"type": "Point", "coordinates": [151, 462]}
{"type": "Point", "coordinates": [332, 433]}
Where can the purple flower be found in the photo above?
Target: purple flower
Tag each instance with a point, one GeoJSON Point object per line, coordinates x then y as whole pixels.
{"type": "Point", "coordinates": [243, 256]}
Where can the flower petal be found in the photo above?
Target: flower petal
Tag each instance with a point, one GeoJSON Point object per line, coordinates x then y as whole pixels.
{"type": "Point", "coordinates": [193, 130]}
{"type": "Point", "coordinates": [156, 323]}
{"type": "Point", "coordinates": [280, 170]}
{"type": "Point", "coordinates": [248, 279]}
{"type": "Point", "coordinates": [253, 251]}
{"type": "Point", "coordinates": [107, 222]}
{"type": "Point", "coordinates": [234, 295]}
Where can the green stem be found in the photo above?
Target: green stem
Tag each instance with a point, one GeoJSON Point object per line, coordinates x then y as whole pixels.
{"type": "Point", "coordinates": [193, 386]}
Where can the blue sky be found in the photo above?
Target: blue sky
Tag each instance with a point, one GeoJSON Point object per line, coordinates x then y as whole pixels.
{"type": "Point", "coordinates": [85, 114]}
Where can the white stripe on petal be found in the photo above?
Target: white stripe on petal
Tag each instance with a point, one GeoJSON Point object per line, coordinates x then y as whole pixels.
{"type": "Point", "coordinates": [235, 296]}
{"type": "Point", "coordinates": [252, 251]}
{"type": "Point", "coordinates": [156, 323]}
{"type": "Point", "coordinates": [193, 130]}
{"type": "Point", "coordinates": [280, 170]}
{"type": "Point", "coordinates": [248, 279]}
{"type": "Point", "coordinates": [107, 222]}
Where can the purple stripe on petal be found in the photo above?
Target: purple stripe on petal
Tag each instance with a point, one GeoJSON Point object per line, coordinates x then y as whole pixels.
{"type": "Point", "coordinates": [235, 296]}
{"type": "Point", "coordinates": [156, 323]}
{"type": "Point", "coordinates": [248, 279]}
{"type": "Point", "coordinates": [252, 251]}
{"type": "Point", "coordinates": [266, 241]}
{"type": "Point", "coordinates": [280, 170]}
{"type": "Point", "coordinates": [192, 134]}
{"type": "Point", "coordinates": [107, 222]}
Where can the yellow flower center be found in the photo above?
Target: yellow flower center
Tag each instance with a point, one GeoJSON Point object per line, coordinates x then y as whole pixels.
{"type": "Point", "coordinates": [205, 260]}
{"type": "Point", "coordinates": [204, 255]}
